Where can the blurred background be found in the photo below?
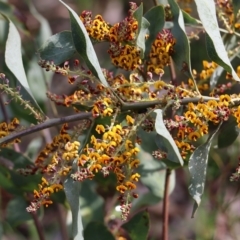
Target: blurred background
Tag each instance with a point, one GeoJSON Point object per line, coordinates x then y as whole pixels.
{"type": "Point", "coordinates": [219, 214]}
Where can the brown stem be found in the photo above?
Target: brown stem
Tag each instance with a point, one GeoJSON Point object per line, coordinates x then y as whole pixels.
{"type": "Point", "coordinates": [155, 2]}
{"type": "Point", "coordinates": [61, 221]}
{"type": "Point", "coordinates": [3, 109]}
{"type": "Point", "coordinates": [38, 226]}
{"type": "Point", "coordinates": [166, 205]}
{"type": "Point", "coordinates": [172, 72]}
{"type": "Point", "coordinates": [46, 124]}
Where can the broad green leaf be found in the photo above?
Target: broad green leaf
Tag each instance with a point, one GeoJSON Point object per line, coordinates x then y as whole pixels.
{"type": "Point", "coordinates": [198, 168]}
{"type": "Point", "coordinates": [35, 75]}
{"type": "Point", "coordinates": [84, 45]}
{"type": "Point", "coordinates": [150, 169]}
{"type": "Point", "coordinates": [97, 231]}
{"type": "Point", "coordinates": [44, 30]}
{"type": "Point", "coordinates": [164, 139]}
{"type": "Point", "coordinates": [72, 191]}
{"type": "Point", "coordinates": [215, 47]}
{"type": "Point", "coordinates": [58, 48]}
{"type": "Point", "coordinates": [138, 14]}
{"type": "Point", "coordinates": [188, 19]}
{"type": "Point", "coordinates": [5, 180]}
{"type": "Point", "coordinates": [144, 200]}
{"type": "Point", "coordinates": [142, 35]}
{"type": "Point", "coordinates": [181, 55]}
{"type": "Point", "coordinates": [16, 211]}
{"type": "Point", "coordinates": [91, 203]}
{"type": "Point", "coordinates": [215, 78]}
{"type": "Point", "coordinates": [143, 25]}
{"type": "Point", "coordinates": [163, 2]}
{"type": "Point", "coordinates": [236, 7]}
{"type": "Point", "coordinates": [13, 59]}
{"type": "Point", "coordinates": [17, 159]}
{"type": "Point", "coordinates": [156, 18]}
{"type": "Point", "coordinates": [228, 133]}
{"type": "Point", "coordinates": [138, 226]}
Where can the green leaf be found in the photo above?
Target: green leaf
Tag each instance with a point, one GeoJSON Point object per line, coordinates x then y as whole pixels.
{"type": "Point", "coordinates": [97, 231]}
{"type": "Point", "coordinates": [150, 169]}
{"type": "Point", "coordinates": [138, 14]}
{"type": "Point", "coordinates": [138, 226]}
{"type": "Point", "coordinates": [215, 47]}
{"type": "Point", "coordinates": [58, 48]}
{"type": "Point", "coordinates": [228, 133]}
{"type": "Point", "coordinates": [156, 18]}
{"type": "Point", "coordinates": [142, 29]}
{"type": "Point", "coordinates": [164, 139]}
{"type": "Point", "coordinates": [72, 190]}
{"type": "Point", "coordinates": [18, 159]}
{"type": "Point", "coordinates": [35, 75]}
{"type": "Point", "coordinates": [236, 7]}
{"type": "Point", "coordinates": [198, 168]}
{"type": "Point", "coordinates": [181, 55]}
{"type": "Point", "coordinates": [84, 45]}
{"type": "Point", "coordinates": [188, 19]}
{"type": "Point", "coordinates": [13, 59]}
{"type": "Point", "coordinates": [91, 203]}
{"type": "Point", "coordinates": [16, 211]}
{"type": "Point", "coordinates": [44, 30]}
{"type": "Point", "coordinates": [145, 200]}
{"type": "Point", "coordinates": [142, 35]}
{"type": "Point", "coordinates": [5, 180]}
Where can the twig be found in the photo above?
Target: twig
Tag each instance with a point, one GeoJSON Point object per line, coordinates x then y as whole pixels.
{"type": "Point", "coordinates": [46, 124]}
{"type": "Point", "coordinates": [38, 225]}
{"type": "Point", "coordinates": [3, 109]}
{"type": "Point", "coordinates": [155, 2]}
{"type": "Point", "coordinates": [166, 205]}
{"type": "Point", "coordinates": [172, 72]}
{"type": "Point", "coordinates": [61, 221]}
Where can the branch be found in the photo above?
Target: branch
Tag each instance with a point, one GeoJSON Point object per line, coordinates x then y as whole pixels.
{"type": "Point", "coordinates": [46, 124]}
{"type": "Point", "coordinates": [166, 205]}
{"type": "Point", "coordinates": [148, 104]}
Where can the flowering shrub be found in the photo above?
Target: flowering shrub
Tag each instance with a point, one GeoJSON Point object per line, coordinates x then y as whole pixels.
{"type": "Point", "coordinates": [119, 110]}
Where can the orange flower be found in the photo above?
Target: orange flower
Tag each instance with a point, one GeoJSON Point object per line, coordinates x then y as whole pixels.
{"type": "Point", "coordinates": [100, 129]}
{"type": "Point", "coordinates": [130, 120]}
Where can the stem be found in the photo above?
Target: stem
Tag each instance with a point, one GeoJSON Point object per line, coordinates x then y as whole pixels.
{"type": "Point", "coordinates": [46, 124]}
{"type": "Point", "coordinates": [166, 205]}
{"type": "Point", "coordinates": [3, 108]}
{"type": "Point", "coordinates": [62, 221]}
{"type": "Point", "coordinates": [38, 225]}
{"type": "Point", "coordinates": [172, 72]}
{"type": "Point", "coordinates": [155, 2]}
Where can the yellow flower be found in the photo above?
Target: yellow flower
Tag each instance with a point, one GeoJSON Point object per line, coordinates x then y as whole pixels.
{"type": "Point", "coordinates": [212, 104]}
{"type": "Point", "coordinates": [100, 129]}
{"type": "Point", "coordinates": [121, 188]}
{"type": "Point", "coordinates": [225, 99]}
{"type": "Point", "coordinates": [135, 177]}
{"type": "Point", "coordinates": [128, 145]}
{"type": "Point", "coordinates": [130, 185]}
{"type": "Point", "coordinates": [190, 116]}
{"type": "Point", "coordinates": [107, 112]}
{"type": "Point", "coordinates": [193, 136]}
{"type": "Point", "coordinates": [130, 120]}
{"type": "Point", "coordinates": [95, 167]}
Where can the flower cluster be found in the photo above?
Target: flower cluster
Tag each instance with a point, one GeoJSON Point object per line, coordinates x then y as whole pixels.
{"type": "Point", "coordinates": [55, 163]}
{"type": "Point", "coordinates": [161, 50]}
{"type": "Point", "coordinates": [225, 13]}
{"type": "Point", "coordinates": [8, 128]}
{"type": "Point", "coordinates": [110, 150]}
{"type": "Point", "coordinates": [194, 123]}
{"type": "Point", "coordinates": [122, 37]}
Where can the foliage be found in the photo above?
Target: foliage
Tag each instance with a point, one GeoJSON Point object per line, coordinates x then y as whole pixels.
{"type": "Point", "coordinates": [136, 123]}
